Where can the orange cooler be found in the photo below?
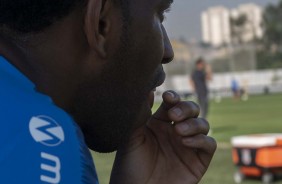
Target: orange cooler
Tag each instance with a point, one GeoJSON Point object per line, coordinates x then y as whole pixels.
{"type": "Point", "coordinates": [257, 156]}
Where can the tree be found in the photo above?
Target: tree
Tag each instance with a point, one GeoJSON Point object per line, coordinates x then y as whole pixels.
{"type": "Point", "coordinates": [270, 54]}
{"type": "Point", "coordinates": [237, 26]}
{"type": "Point", "coordinates": [241, 51]}
{"type": "Point", "coordinates": [273, 27]}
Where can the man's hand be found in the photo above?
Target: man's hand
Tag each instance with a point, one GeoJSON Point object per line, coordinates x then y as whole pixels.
{"type": "Point", "coordinates": [172, 148]}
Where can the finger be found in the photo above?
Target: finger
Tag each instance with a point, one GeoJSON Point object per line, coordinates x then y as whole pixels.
{"type": "Point", "coordinates": [192, 127]}
{"type": "Point", "coordinates": [184, 110]}
{"type": "Point", "coordinates": [200, 142]}
{"type": "Point", "coordinates": [170, 99]}
{"type": "Point", "coordinates": [203, 147]}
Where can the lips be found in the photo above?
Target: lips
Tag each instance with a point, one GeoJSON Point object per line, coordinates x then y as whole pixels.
{"type": "Point", "coordinates": [159, 78]}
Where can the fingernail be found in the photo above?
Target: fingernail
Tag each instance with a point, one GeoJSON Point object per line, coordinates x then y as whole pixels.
{"type": "Point", "coordinates": [177, 111]}
{"type": "Point", "coordinates": [171, 94]}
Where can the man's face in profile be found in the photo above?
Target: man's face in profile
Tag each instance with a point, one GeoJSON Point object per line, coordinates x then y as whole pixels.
{"type": "Point", "coordinates": [107, 106]}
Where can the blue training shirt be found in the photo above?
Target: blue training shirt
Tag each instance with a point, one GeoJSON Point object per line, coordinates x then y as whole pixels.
{"type": "Point", "coordinates": [39, 142]}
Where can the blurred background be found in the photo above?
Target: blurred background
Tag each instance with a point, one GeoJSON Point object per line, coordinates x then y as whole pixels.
{"type": "Point", "coordinates": [241, 44]}
{"type": "Point", "coordinates": [240, 40]}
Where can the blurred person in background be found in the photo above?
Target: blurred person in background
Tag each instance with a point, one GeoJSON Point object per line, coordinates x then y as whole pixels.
{"type": "Point", "coordinates": [235, 88]}
{"type": "Point", "coordinates": [244, 90]}
{"type": "Point", "coordinates": [199, 82]}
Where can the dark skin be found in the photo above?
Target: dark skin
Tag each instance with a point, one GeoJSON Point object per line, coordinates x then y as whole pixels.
{"type": "Point", "coordinates": [81, 44]}
{"type": "Point", "coordinates": [160, 152]}
{"type": "Point", "coordinates": [44, 56]}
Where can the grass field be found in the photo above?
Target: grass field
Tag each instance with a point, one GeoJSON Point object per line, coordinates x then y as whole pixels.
{"type": "Point", "coordinates": [261, 114]}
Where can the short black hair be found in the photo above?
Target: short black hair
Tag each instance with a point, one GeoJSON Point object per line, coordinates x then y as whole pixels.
{"type": "Point", "coordinates": [26, 16]}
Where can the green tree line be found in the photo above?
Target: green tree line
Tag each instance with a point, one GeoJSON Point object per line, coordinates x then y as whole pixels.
{"type": "Point", "coordinates": [269, 52]}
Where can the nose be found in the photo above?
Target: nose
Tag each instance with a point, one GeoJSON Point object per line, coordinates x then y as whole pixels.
{"type": "Point", "coordinates": [168, 50]}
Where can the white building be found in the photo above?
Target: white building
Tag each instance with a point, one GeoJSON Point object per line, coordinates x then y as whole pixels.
{"type": "Point", "coordinates": [253, 13]}
{"type": "Point", "coordinates": [216, 26]}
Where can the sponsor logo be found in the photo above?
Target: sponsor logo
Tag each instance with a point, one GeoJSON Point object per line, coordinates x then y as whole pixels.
{"type": "Point", "coordinates": [246, 156]}
{"type": "Point", "coordinates": [46, 131]}
{"type": "Point", "coordinates": [51, 167]}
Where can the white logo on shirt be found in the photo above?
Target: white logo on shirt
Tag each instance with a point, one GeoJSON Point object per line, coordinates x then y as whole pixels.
{"type": "Point", "coordinates": [46, 130]}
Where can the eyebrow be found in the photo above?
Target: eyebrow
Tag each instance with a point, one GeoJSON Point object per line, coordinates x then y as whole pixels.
{"type": "Point", "coordinates": [165, 4]}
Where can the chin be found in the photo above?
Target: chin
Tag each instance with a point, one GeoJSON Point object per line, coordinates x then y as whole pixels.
{"type": "Point", "coordinates": [101, 146]}
{"type": "Point", "coordinates": [107, 131]}
{"type": "Point", "coordinates": [108, 121]}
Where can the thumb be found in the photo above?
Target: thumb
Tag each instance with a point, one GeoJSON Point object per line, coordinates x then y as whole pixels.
{"type": "Point", "coordinates": [170, 99]}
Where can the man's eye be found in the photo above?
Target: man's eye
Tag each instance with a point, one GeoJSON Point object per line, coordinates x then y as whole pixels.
{"type": "Point", "coordinates": [162, 16]}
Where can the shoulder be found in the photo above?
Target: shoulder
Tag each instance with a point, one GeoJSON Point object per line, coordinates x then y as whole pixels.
{"type": "Point", "coordinates": [39, 141]}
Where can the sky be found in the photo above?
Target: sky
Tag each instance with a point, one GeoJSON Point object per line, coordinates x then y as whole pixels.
{"type": "Point", "coordinates": [184, 19]}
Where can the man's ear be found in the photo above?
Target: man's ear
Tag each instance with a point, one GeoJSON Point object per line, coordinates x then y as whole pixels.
{"type": "Point", "coordinates": [96, 27]}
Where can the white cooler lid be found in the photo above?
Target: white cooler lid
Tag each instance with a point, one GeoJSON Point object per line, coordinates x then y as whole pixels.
{"type": "Point", "coordinates": [256, 140]}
